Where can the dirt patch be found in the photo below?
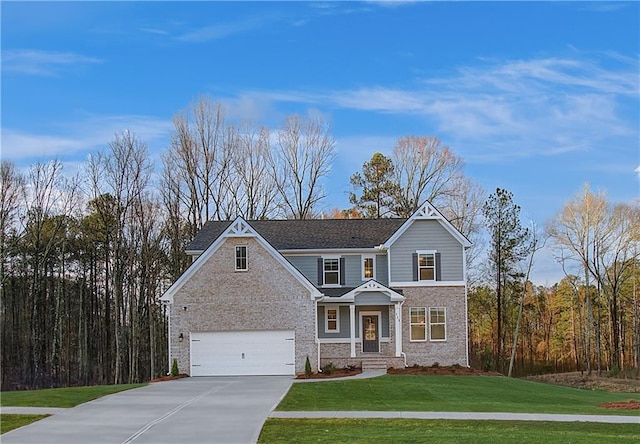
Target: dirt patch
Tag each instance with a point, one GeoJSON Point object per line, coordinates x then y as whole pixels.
{"type": "Point", "coordinates": [170, 378]}
{"type": "Point", "coordinates": [440, 370]}
{"type": "Point", "coordinates": [631, 404]}
{"type": "Point", "coordinates": [590, 382]}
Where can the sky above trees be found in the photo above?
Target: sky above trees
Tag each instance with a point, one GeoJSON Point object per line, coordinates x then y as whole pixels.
{"type": "Point", "coordinates": [536, 98]}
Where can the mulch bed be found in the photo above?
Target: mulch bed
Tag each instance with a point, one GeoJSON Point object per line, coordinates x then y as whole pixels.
{"type": "Point", "coordinates": [337, 373]}
{"type": "Point", "coordinates": [631, 404]}
{"type": "Point", "coordinates": [440, 370]}
{"type": "Point", "coordinates": [170, 378]}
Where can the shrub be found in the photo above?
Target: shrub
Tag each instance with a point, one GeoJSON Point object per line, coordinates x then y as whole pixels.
{"type": "Point", "coordinates": [307, 367]}
{"type": "Point", "coordinates": [174, 368]}
{"type": "Point", "coordinates": [328, 369]}
{"type": "Point", "coordinates": [435, 364]}
{"type": "Point", "coordinates": [456, 366]}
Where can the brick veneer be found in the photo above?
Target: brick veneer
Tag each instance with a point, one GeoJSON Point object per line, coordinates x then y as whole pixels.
{"type": "Point", "coordinates": [266, 297]}
{"type": "Point", "coordinates": [454, 349]}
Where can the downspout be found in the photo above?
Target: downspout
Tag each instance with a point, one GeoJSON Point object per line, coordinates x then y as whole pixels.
{"type": "Point", "coordinates": [167, 306]}
{"type": "Point", "coordinates": [402, 353]}
{"type": "Point", "coordinates": [316, 334]}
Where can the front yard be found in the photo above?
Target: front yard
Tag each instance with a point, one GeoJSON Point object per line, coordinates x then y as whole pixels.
{"type": "Point", "coordinates": [447, 394]}
{"type": "Point", "coordinates": [450, 394]}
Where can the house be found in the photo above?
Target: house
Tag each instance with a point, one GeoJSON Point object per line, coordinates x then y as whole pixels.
{"type": "Point", "coordinates": [263, 296]}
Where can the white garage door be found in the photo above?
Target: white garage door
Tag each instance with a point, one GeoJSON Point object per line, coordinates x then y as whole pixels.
{"type": "Point", "coordinates": [270, 352]}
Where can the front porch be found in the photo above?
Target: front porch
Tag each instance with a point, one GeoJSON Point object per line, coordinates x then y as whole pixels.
{"type": "Point", "coordinates": [361, 328]}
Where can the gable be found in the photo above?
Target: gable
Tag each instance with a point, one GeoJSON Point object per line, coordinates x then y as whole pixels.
{"type": "Point", "coordinates": [237, 229]}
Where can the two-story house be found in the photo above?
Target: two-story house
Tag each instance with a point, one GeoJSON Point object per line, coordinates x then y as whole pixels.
{"type": "Point", "coordinates": [263, 296]}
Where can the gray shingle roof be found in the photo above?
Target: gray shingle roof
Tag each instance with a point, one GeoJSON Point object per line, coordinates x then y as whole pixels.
{"type": "Point", "coordinates": [309, 234]}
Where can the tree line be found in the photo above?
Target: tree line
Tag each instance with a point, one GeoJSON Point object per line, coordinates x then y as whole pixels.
{"type": "Point", "coordinates": [84, 259]}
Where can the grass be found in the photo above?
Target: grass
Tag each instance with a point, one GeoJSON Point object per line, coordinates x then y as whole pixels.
{"type": "Point", "coordinates": [10, 422]}
{"type": "Point", "coordinates": [442, 431]}
{"type": "Point", "coordinates": [450, 394]}
{"type": "Point", "coordinates": [60, 397]}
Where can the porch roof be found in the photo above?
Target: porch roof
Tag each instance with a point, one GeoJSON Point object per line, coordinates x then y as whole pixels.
{"type": "Point", "coordinates": [371, 292]}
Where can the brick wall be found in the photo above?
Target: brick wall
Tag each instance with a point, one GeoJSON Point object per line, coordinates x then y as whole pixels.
{"type": "Point", "coordinates": [266, 297]}
{"type": "Point", "coordinates": [449, 352]}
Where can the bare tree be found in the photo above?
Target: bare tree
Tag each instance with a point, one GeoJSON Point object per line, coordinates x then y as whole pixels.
{"type": "Point", "coordinates": [424, 171]}
{"type": "Point", "coordinates": [12, 189]}
{"type": "Point", "coordinates": [252, 186]}
{"type": "Point", "coordinates": [303, 155]}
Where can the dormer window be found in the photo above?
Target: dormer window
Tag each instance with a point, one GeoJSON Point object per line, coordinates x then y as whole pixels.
{"type": "Point", "coordinates": [241, 258]}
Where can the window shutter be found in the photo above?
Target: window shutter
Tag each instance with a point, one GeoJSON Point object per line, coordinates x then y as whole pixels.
{"type": "Point", "coordinates": [438, 268]}
{"type": "Point", "coordinates": [320, 271]}
{"type": "Point", "coordinates": [415, 266]}
{"type": "Point", "coordinates": [342, 272]}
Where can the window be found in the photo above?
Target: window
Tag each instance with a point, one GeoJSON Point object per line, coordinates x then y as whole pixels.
{"type": "Point", "coordinates": [368, 267]}
{"type": "Point", "coordinates": [332, 271]}
{"type": "Point", "coordinates": [426, 266]}
{"type": "Point", "coordinates": [437, 324]}
{"type": "Point", "coordinates": [241, 258]}
{"type": "Point", "coordinates": [418, 323]}
{"type": "Point", "coordinates": [331, 320]}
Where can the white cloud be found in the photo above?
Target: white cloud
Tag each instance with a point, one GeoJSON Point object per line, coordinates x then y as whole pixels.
{"type": "Point", "coordinates": [35, 62]}
{"type": "Point", "coordinates": [221, 30]}
{"type": "Point", "coordinates": [497, 111]}
{"type": "Point", "coordinates": [86, 136]}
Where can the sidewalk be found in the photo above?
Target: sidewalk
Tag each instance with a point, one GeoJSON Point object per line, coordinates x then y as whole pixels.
{"type": "Point", "coordinates": [462, 415]}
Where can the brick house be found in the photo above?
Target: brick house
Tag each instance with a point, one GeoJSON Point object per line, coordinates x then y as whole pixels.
{"type": "Point", "coordinates": [262, 296]}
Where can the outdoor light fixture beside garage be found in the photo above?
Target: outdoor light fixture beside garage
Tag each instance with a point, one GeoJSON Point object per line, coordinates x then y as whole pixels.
{"type": "Point", "coordinates": [181, 337]}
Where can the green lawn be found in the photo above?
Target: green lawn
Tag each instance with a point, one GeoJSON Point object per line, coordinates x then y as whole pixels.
{"type": "Point", "coordinates": [60, 397]}
{"type": "Point", "coordinates": [442, 431]}
{"type": "Point", "coordinates": [450, 394]}
{"type": "Point", "coordinates": [10, 422]}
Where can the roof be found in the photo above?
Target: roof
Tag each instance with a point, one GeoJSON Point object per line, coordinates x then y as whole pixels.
{"type": "Point", "coordinates": [309, 234]}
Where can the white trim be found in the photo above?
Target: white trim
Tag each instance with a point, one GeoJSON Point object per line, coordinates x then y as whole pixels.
{"type": "Point", "coordinates": [429, 212]}
{"type": "Point", "coordinates": [379, 328]}
{"type": "Point", "coordinates": [369, 286]}
{"type": "Point", "coordinates": [428, 284]}
{"type": "Point", "coordinates": [336, 308]}
{"type": "Point", "coordinates": [435, 265]}
{"type": "Point", "coordinates": [398, 328]}
{"type": "Point", "coordinates": [352, 330]}
{"type": "Point", "coordinates": [466, 324]}
{"type": "Point", "coordinates": [331, 257]}
{"type": "Point", "coordinates": [239, 228]}
{"type": "Point", "coordinates": [363, 258]}
{"type": "Point", "coordinates": [426, 324]}
{"type": "Point", "coordinates": [439, 323]}
{"type": "Point", "coordinates": [329, 251]}
{"type": "Point", "coordinates": [246, 258]}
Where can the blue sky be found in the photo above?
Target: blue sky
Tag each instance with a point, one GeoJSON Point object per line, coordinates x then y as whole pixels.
{"type": "Point", "coordinates": [536, 97]}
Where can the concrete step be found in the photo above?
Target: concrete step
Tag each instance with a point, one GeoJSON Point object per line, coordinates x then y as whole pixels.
{"type": "Point", "coordinates": [374, 364]}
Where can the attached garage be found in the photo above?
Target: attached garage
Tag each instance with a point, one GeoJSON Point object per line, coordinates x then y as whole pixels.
{"type": "Point", "coordinates": [243, 353]}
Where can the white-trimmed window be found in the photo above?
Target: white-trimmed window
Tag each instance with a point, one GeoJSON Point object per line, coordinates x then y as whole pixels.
{"type": "Point", "coordinates": [368, 267]}
{"type": "Point", "coordinates": [418, 323]}
{"type": "Point", "coordinates": [241, 258]}
{"type": "Point", "coordinates": [331, 271]}
{"type": "Point", "coordinates": [437, 324]}
{"type": "Point", "coordinates": [331, 319]}
{"type": "Point", "coordinates": [427, 265]}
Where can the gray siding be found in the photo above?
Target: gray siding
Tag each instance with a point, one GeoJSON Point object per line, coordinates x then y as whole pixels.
{"type": "Point", "coordinates": [353, 270]}
{"type": "Point", "coordinates": [307, 265]}
{"type": "Point", "coordinates": [426, 235]}
{"type": "Point", "coordinates": [382, 274]}
{"type": "Point", "coordinates": [343, 319]}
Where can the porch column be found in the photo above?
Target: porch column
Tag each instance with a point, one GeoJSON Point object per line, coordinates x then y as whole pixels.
{"type": "Point", "coordinates": [352, 329]}
{"type": "Point", "coordinates": [398, 328]}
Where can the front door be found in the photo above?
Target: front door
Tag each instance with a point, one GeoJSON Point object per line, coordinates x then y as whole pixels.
{"type": "Point", "coordinates": [370, 334]}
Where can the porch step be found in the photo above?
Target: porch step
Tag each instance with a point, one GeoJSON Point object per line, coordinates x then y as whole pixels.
{"type": "Point", "coordinates": [374, 364]}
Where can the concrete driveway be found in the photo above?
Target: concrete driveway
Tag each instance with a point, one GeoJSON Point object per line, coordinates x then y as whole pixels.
{"type": "Point", "coordinates": [190, 410]}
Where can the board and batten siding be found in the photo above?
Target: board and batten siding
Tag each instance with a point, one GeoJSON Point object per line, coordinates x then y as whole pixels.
{"type": "Point", "coordinates": [426, 235]}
